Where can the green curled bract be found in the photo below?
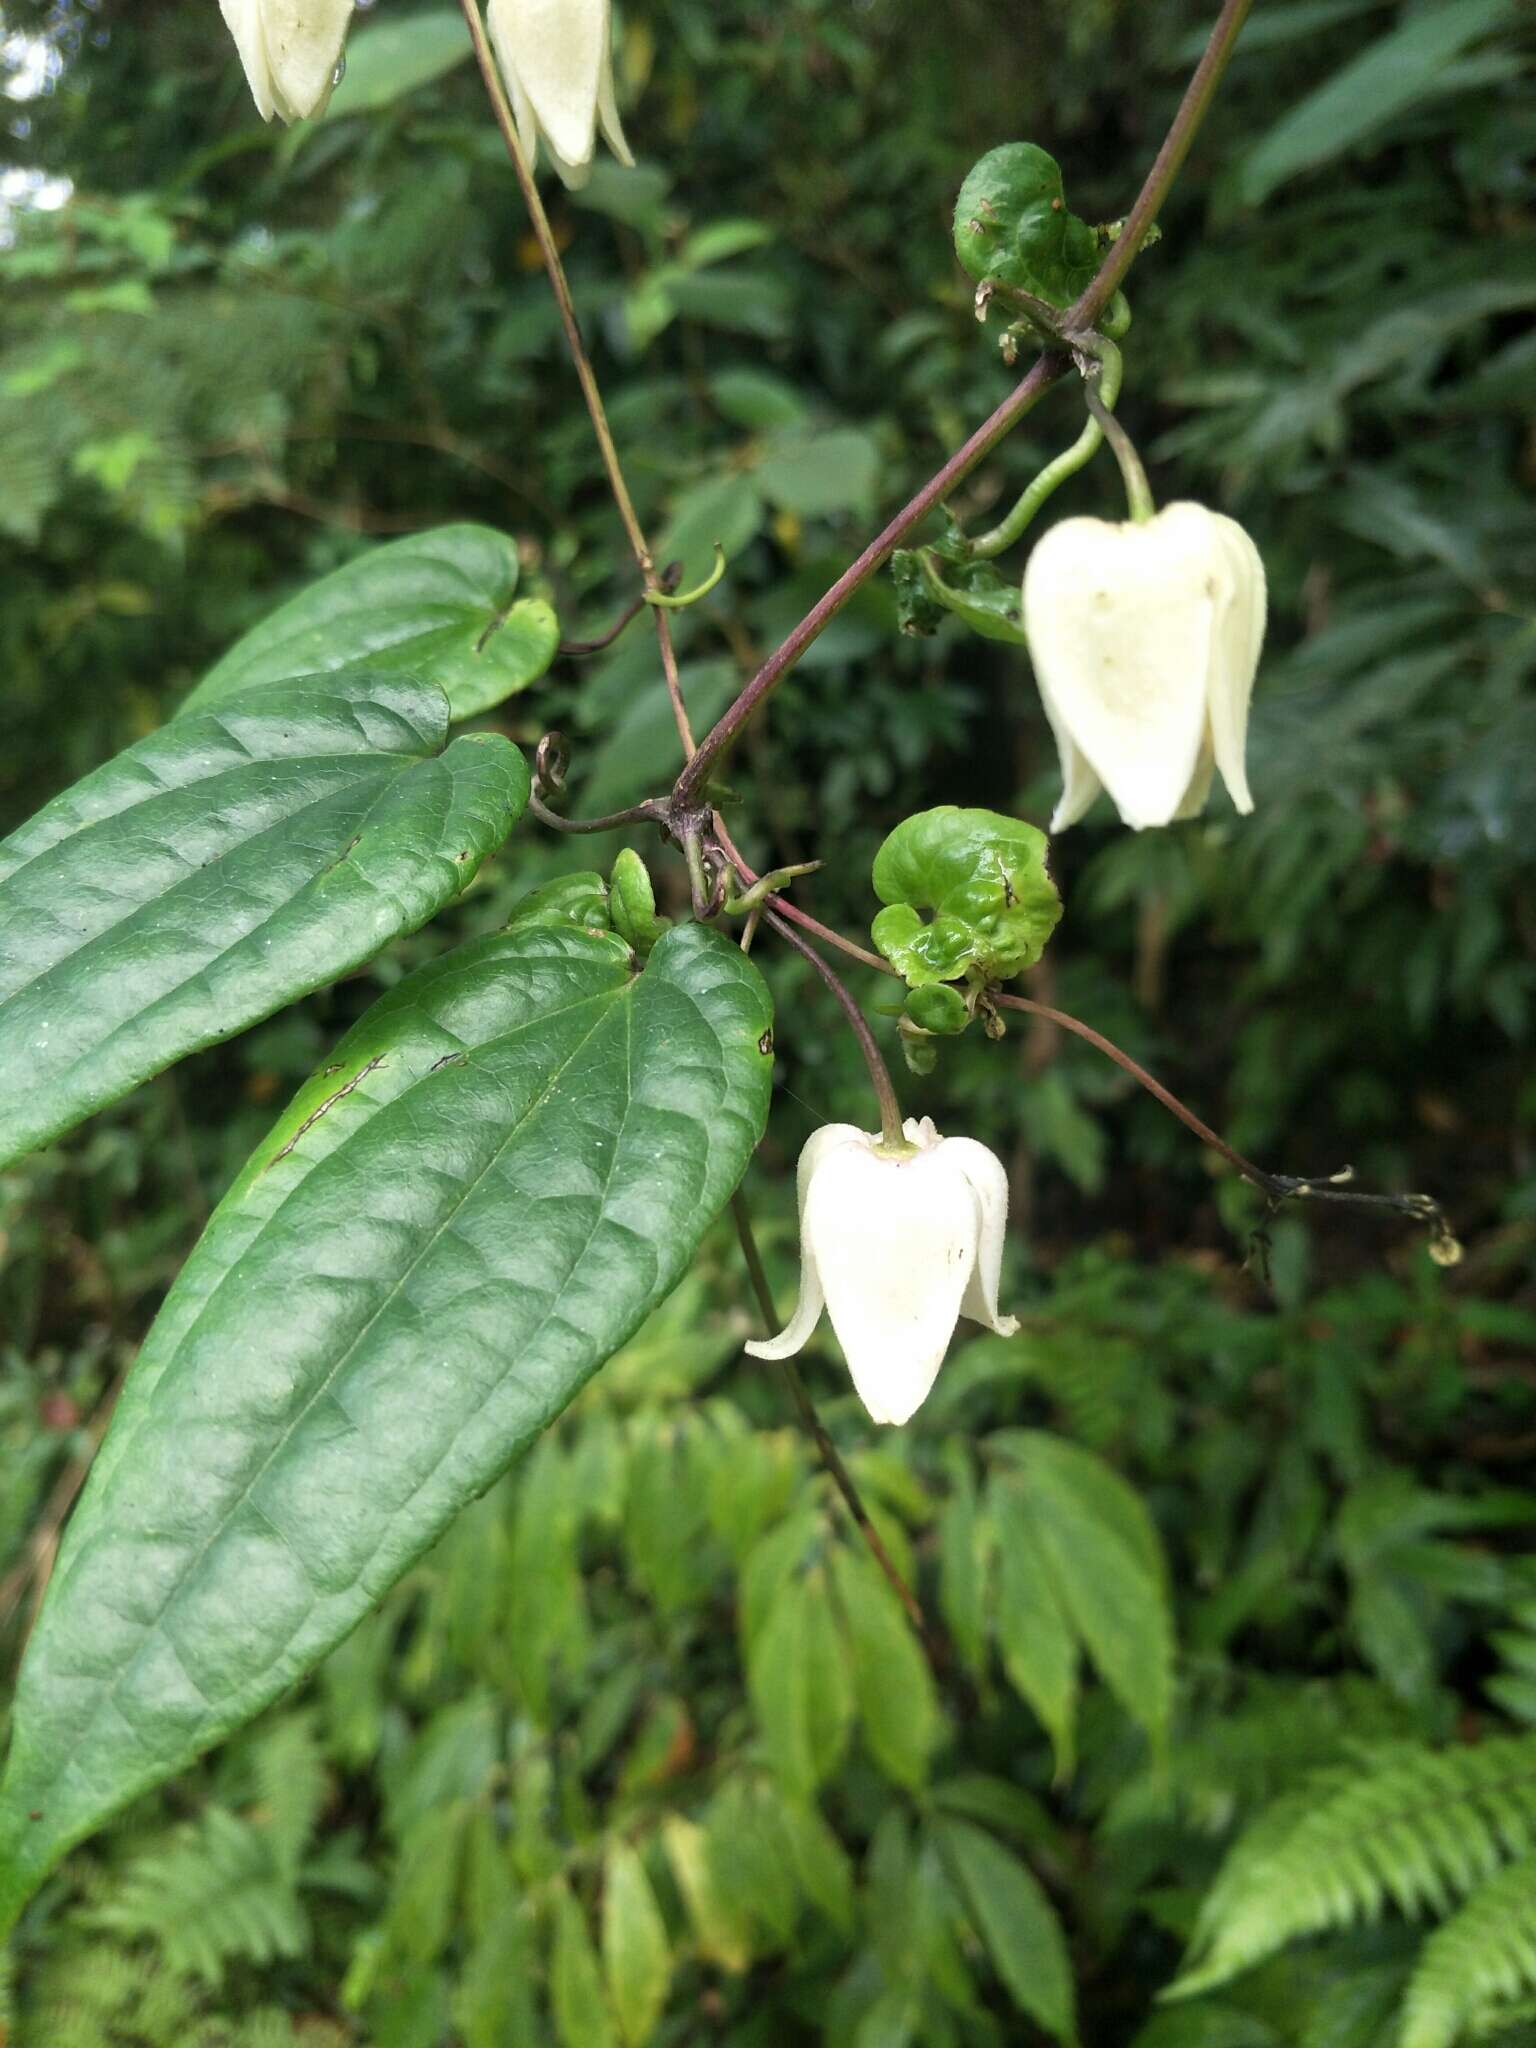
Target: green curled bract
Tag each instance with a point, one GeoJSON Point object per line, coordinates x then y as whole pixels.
{"type": "Point", "coordinates": [632, 903]}
{"type": "Point", "coordinates": [1013, 226]}
{"type": "Point", "coordinates": [938, 1007]}
{"type": "Point", "coordinates": [982, 881]}
{"type": "Point", "coordinates": [580, 900]}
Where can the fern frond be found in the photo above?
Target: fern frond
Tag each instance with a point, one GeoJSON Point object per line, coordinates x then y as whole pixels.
{"type": "Point", "coordinates": [216, 1893]}
{"type": "Point", "coordinates": [1233, 1757]}
{"type": "Point", "coordinates": [288, 1773]}
{"type": "Point", "coordinates": [1402, 1826]}
{"type": "Point", "coordinates": [1508, 2026]}
{"type": "Point", "coordinates": [1484, 1956]}
{"type": "Point", "coordinates": [1514, 1688]}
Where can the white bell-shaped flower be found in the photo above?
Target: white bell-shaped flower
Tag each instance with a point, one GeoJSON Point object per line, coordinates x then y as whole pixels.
{"type": "Point", "coordinates": [556, 57]}
{"type": "Point", "coordinates": [1145, 640]}
{"type": "Point", "coordinates": [896, 1248]}
{"type": "Point", "coordinates": [291, 50]}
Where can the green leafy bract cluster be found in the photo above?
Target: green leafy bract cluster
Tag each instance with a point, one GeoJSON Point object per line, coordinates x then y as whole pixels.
{"type": "Point", "coordinates": [1013, 226]}
{"type": "Point", "coordinates": [625, 904]}
{"type": "Point", "coordinates": [983, 880]}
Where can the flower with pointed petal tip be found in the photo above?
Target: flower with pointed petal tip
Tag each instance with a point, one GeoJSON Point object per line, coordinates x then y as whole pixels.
{"type": "Point", "coordinates": [1145, 639]}
{"type": "Point", "coordinates": [291, 50]}
{"type": "Point", "coordinates": [897, 1247]}
{"type": "Point", "coordinates": [556, 57]}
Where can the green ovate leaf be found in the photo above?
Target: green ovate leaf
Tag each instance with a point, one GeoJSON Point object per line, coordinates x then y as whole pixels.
{"type": "Point", "coordinates": [898, 1712]}
{"type": "Point", "coordinates": [1097, 1542]}
{"type": "Point", "coordinates": [1012, 226]}
{"type": "Point", "coordinates": [637, 1959]}
{"type": "Point", "coordinates": [801, 1683]}
{"type": "Point", "coordinates": [582, 2017]}
{"type": "Point", "coordinates": [508, 1163]}
{"type": "Point", "coordinates": [1035, 1636]}
{"type": "Point", "coordinates": [439, 604]}
{"type": "Point", "coordinates": [235, 859]}
{"type": "Point", "coordinates": [1016, 1922]}
{"type": "Point", "coordinates": [984, 878]}
{"type": "Point", "coordinates": [722, 1934]}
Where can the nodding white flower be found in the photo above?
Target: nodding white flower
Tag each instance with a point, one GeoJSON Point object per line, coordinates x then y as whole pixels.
{"type": "Point", "coordinates": [291, 50]}
{"type": "Point", "coordinates": [896, 1246]}
{"type": "Point", "coordinates": [1145, 640]}
{"type": "Point", "coordinates": [556, 57]}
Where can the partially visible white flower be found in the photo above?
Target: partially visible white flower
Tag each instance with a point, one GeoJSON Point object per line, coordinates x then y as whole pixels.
{"type": "Point", "coordinates": [291, 50]}
{"type": "Point", "coordinates": [1145, 640]}
{"type": "Point", "coordinates": [556, 57]}
{"type": "Point", "coordinates": [896, 1248]}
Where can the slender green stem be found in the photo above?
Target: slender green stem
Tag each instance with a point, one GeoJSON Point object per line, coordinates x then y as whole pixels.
{"type": "Point", "coordinates": [585, 374]}
{"type": "Point", "coordinates": [885, 1092]}
{"type": "Point", "coordinates": [681, 600]}
{"type": "Point", "coordinates": [651, 811]}
{"type": "Point", "coordinates": [1055, 473]}
{"type": "Point", "coordinates": [1138, 492]}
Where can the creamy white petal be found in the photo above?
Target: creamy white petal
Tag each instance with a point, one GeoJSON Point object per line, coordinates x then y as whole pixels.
{"type": "Point", "coordinates": [1200, 782]}
{"type": "Point", "coordinates": [895, 1244]}
{"type": "Point", "coordinates": [522, 114]}
{"type": "Point", "coordinates": [989, 1183]}
{"type": "Point", "coordinates": [1080, 787]}
{"type": "Point", "coordinates": [796, 1332]}
{"type": "Point", "coordinates": [559, 48]}
{"type": "Point", "coordinates": [608, 108]}
{"type": "Point", "coordinates": [243, 20]}
{"type": "Point", "coordinates": [304, 40]}
{"type": "Point", "coordinates": [1239, 642]}
{"type": "Point", "coordinates": [1119, 625]}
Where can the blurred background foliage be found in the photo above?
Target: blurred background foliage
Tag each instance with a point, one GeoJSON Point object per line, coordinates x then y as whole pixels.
{"type": "Point", "coordinates": [1234, 1578]}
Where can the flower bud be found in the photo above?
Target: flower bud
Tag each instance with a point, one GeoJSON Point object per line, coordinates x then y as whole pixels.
{"type": "Point", "coordinates": [291, 50]}
{"type": "Point", "coordinates": [896, 1246]}
{"type": "Point", "coordinates": [1145, 640]}
{"type": "Point", "coordinates": [556, 57]}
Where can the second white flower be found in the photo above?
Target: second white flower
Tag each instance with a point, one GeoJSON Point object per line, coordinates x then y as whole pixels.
{"type": "Point", "coordinates": [1145, 640]}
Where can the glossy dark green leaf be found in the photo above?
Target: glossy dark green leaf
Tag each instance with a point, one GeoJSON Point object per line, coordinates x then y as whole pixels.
{"type": "Point", "coordinates": [438, 604]}
{"type": "Point", "coordinates": [507, 1164]}
{"type": "Point", "coordinates": [231, 861]}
